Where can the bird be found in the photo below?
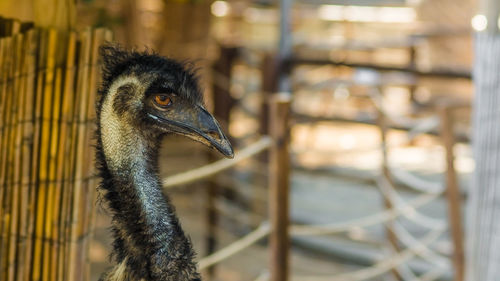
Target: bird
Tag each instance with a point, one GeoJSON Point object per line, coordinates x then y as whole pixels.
{"type": "Point", "coordinates": [142, 98]}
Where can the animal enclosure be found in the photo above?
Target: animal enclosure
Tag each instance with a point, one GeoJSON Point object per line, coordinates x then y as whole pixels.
{"type": "Point", "coordinates": [351, 136]}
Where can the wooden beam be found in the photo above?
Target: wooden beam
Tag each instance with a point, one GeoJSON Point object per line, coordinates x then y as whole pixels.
{"type": "Point", "coordinates": [433, 73]}
{"type": "Point", "coordinates": [453, 193]}
{"type": "Point", "coordinates": [223, 103]}
{"type": "Point", "coordinates": [279, 187]}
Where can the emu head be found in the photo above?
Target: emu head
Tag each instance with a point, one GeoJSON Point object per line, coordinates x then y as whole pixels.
{"type": "Point", "coordinates": [145, 96]}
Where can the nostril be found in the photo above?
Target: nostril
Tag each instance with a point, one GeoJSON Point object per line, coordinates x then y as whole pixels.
{"type": "Point", "coordinates": [213, 134]}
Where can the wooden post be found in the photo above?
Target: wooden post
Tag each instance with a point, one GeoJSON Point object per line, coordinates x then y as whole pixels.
{"type": "Point", "coordinates": [279, 187]}
{"type": "Point", "coordinates": [453, 192]}
{"type": "Point", "coordinates": [223, 103]}
{"type": "Point", "coordinates": [412, 64]}
{"type": "Point", "coordinates": [269, 85]}
{"type": "Point", "coordinates": [391, 235]}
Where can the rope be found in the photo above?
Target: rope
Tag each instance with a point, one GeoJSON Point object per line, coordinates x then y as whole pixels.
{"type": "Point", "coordinates": [384, 216]}
{"type": "Point", "coordinates": [391, 194]}
{"type": "Point", "coordinates": [382, 266]}
{"type": "Point", "coordinates": [250, 191]}
{"type": "Point", "coordinates": [403, 269]}
{"type": "Point", "coordinates": [417, 126]}
{"type": "Point", "coordinates": [430, 275]}
{"type": "Point", "coordinates": [235, 247]}
{"type": "Point", "coordinates": [423, 126]}
{"type": "Point", "coordinates": [415, 182]}
{"type": "Point", "coordinates": [264, 276]}
{"type": "Point", "coordinates": [218, 166]}
{"type": "Point", "coordinates": [404, 236]}
{"type": "Point", "coordinates": [235, 214]}
{"type": "Point", "coordinates": [427, 254]}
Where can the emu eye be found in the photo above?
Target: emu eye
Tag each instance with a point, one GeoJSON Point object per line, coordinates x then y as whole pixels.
{"type": "Point", "coordinates": [163, 100]}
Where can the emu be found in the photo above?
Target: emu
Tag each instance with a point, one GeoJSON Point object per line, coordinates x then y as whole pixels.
{"type": "Point", "coordinates": [144, 97]}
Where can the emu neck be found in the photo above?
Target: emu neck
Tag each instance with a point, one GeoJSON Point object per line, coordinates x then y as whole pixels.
{"type": "Point", "coordinates": [149, 241]}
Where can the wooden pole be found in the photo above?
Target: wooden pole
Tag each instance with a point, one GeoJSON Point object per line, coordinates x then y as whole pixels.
{"type": "Point", "coordinates": [453, 192]}
{"type": "Point", "coordinates": [279, 187]}
{"type": "Point", "coordinates": [223, 103]}
{"type": "Point", "coordinates": [269, 85]}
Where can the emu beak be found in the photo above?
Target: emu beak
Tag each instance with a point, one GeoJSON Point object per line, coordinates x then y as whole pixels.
{"type": "Point", "coordinates": [205, 129]}
{"type": "Point", "coordinates": [197, 124]}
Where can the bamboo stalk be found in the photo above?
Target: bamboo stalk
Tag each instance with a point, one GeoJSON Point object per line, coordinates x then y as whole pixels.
{"type": "Point", "coordinates": [3, 174]}
{"type": "Point", "coordinates": [16, 154]}
{"type": "Point", "coordinates": [50, 106]}
{"type": "Point", "coordinates": [3, 108]}
{"type": "Point", "coordinates": [22, 158]}
{"type": "Point", "coordinates": [22, 153]}
{"type": "Point", "coordinates": [87, 139]}
{"type": "Point", "coordinates": [46, 107]}
{"type": "Point", "coordinates": [3, 105]}
{"type": "Point", "coordinates": [3, 116]}
{"type": "Point", "coordinates": [11, 204]}
{"type": "Point", "coordinates": [55, 186]}
{"type": "Point", "coordinates": [5, 167]}
{"type": "Point", "coordinates": [69, 169]}
{"type": "Point", "coordinates": [25, 228]}
{"type": "Point", "coordinates": [64, 148]}
{"type": "Point", "coordinates": [99, 37]}
{"type": "Point", "coordinates": [38, 39]}
{"type": "Point", "coordinates": [46, 137]}
{"type": "Point", "coordinates": [11, 163]}
{"type": "Point", "coordinates": [52, 228]}
{"type": "Point", "coordinates": [78, 194]}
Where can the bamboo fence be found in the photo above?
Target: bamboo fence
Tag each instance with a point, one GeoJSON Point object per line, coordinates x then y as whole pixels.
{"type": "Point", "coordinates": [48, 83]}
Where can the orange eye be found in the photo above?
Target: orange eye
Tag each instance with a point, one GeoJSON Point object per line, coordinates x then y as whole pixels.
{"type": "Point", "coordinates": [163, 100]}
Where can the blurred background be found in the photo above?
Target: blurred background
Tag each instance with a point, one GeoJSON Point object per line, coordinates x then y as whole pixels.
{"type": "Point", "coordinates": [381, 164]}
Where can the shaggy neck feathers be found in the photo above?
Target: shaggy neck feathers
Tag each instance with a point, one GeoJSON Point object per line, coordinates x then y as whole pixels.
{"type": "Point", "coordinates": [149, 242]}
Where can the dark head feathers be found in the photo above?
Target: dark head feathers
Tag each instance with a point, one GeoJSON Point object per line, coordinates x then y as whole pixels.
{"type": "Point", "coordinates": [117, 61]}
